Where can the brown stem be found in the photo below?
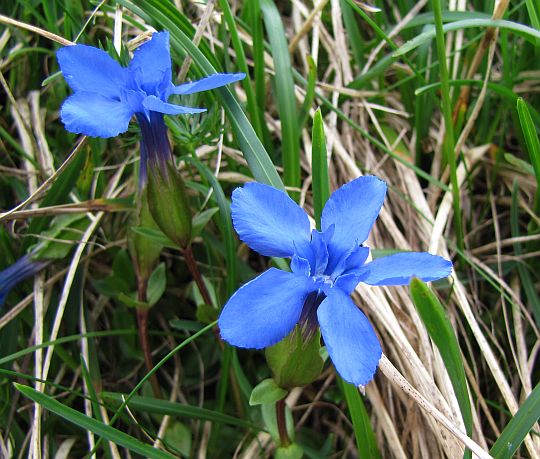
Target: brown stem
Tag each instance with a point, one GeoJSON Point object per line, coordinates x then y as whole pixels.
{"type": "Point", "coordinates": [282, 423]}
{"type": "Point", "coordinates": [142, 321]}
{"type": "Point", "coordinates": [197, 277]}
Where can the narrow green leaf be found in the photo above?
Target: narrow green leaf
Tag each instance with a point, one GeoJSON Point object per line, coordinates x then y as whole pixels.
{"type": "Point", "coordinates": [365, 438]}
{"type": "Point", "coordinates": [441, 332]}
{"type": "Point", "coordinates": [96, 408]}
{"type": "Point", "coordinates": [319, 164]}
{"type": "Point", "coordinates": [201, 220]}
{"type": "Point", "coordinates": [252, 109]}
{"type": "Point", "coordinates": [533, 8]}
{"type": "Point", "coordinates": [525, 275]}
{"type": "Point", "coordinates": [164, 407]}
{"type": "Point", "coordinates": [284, 87]}
{"type": "Point", "coordinates": [157, 283]}
{"type": "Point", "coordinates": [524, 31]}
{"type": "Point", "coordinates": [519, 426]}
{"type": "Point", "coordinates": [57, 194]}
{"type": "Point", "coordinates": [533, 146]}
{"type": "Point", "coordinates": [155, 235]}
{"type": "Point", "coordinates": [87, 423]}
{"type": "Point", "coordinates": [310, 93]}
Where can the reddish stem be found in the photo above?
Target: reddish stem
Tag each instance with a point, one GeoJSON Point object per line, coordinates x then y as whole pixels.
{"type": "Point", "coordinates": [142, 321]}
{"type": "Point", "coordinates": [196, 274]}
{"type": "Point", "coordinates": [282, 423]}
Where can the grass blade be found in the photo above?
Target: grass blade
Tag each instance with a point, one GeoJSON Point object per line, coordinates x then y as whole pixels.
{"type": "Point", "coordinates": [533, 146]}
{"type": "Point", "coordinates": [164, 407]}
{"type": "Point", "coordinates": [519, 426]}
{"type": "Point", "coordinates": [242, 65]}
{"type": "Point", "coordinates": [91, 424]}
{"type": "Point", "coordinates": [284, 87]}
{"type": "Point", "coordinates": [365, 438]}
{"type": "Point", "coordinates": [319, 164]}
{"type": "Point", "coordinates": [524, 31]}
{"type": "Point", "coordinates": [441, 332]}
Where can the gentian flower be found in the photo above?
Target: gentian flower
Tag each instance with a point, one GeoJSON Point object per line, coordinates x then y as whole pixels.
{"type": "Point", "coordinates": [20, 270]}
{"type": "Point", "coordinates": [106, 95]}
{"type": "Point", "coordinates": [326, 267]}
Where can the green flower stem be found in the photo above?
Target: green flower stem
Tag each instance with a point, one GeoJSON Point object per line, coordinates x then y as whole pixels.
{"type": "Point", "coordinates": [282, 423]}
{"type": "Point", "coordinates": [197, 277]}
{"type": "Point", "coordinates": [142, 322]}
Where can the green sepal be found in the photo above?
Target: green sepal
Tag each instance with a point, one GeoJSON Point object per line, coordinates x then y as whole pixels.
{"type": "Point", "coordinates": [168, 204]}
{"type": "Point", "coordinates": [266, 391]}
{"type": "Point", "coordinates": [144, 251]}
{"type": "Point", "coordinates": [295, 362]}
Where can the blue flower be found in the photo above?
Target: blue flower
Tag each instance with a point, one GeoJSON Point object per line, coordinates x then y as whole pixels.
{"type": "Point", "coordinates": [326, 267]}
{"type": "Point", "coordinates": [23, 268]}
{"type": "Point", "coordinates": [106, 95]}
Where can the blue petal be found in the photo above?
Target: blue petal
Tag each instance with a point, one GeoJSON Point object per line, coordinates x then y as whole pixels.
{"type": "Point", "coordinates": [90, 69]}
{"type": "Point", "coordinates": [348, 282]}
{"type": "Point", "coordinates": [265, 310]}
{"type": "Point", "coordinates": [151, 65]}
{"type": "Point", "coordinates": [350, 339]}
{"type": "Point", "coordinates": [353, 209]}
{"type": "Point", "coordinates": [23, 268]}
{"type": "Point", "coordinates": [300, 265]}
{"type": "Point", "coordinates": [153, 104]}
{"type": "Point", "coordinates": [268, 220]}
{"type": "Point", "coordinates": [400, 268]}
{"type": "Point", "coordinates": [210, 82]}
{"type": "Point", "coordinates": [95, 115]}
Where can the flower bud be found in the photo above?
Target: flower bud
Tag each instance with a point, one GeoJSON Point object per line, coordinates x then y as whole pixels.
{"type": "Point", "coordinates": [168, 204]}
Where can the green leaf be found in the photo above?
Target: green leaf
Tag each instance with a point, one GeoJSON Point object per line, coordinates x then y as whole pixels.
{"type": "Point", "coordinates": [179, 436]}
{"type": "Point", "coordinates": [319, 163]}
{"type": "Point", "coordinates": [266, 391]}
{"type": "Point", "coordinates": [156, 284]}
{"type": "Point", "coordinates": [524, 166]}
{"type": "Point", "coordinates": [285, 98]}
{"type": "Point", "coordinates": [130, 301]}
{"type": "Point", "coordinates": [524, 31]}
{"type": "Point", "coordinates": [252, 108]}
{"type": "Point", "coordinates": [441, 332]}
{"type": "Point", "coordinates": [60, 238]}
{"type": "Point", "coordinates": [519, 426]}
{"type": "Point", "coordinates": [201, 220]}
{"type": "Point", "coordinates": [310, 93]}
{"type": "Point", "coordinates": [365, 438]}
{"type": "Point", "coordinates": [57, 194]}
{"type": "Point", "coordinates": [87, 423]}
{"type": "Point", "coordinates": [155, 235]}
{"type": "Point", "coordinates": [533, 146]}
{"type": "Point", "coordinates": [164, 407]}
